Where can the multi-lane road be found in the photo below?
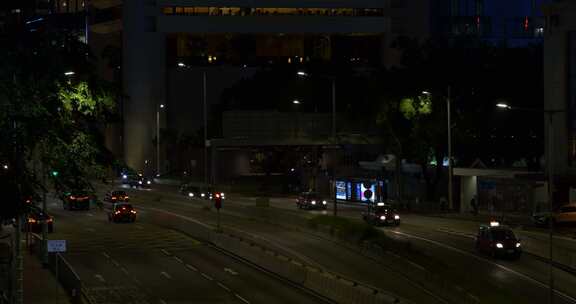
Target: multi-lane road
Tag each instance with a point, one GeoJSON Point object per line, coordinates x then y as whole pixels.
{"type": "Point", "coordinates": [144, 263]}
{"type": "Point", "coordinates": [152, 264]}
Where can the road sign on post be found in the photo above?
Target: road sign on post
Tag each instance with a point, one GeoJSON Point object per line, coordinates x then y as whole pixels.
{"type": "Point", "coordinates": [56, 245]}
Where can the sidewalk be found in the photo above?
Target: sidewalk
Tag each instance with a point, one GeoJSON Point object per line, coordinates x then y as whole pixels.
{"type": "Point", "coordinates": [40, 285]}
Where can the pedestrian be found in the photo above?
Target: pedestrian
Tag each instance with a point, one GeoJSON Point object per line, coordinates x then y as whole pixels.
{"type": "Point", "coordinates": [474, 205]}
{"type": "Point", "coordinates": [443, 203]}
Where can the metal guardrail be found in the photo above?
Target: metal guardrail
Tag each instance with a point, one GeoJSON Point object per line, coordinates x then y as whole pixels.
{"type": "Point", "coordinates": [60, 267]}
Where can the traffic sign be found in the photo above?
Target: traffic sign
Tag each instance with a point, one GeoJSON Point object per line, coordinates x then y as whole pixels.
{"type": "Point", "coordinates": [56, 245]}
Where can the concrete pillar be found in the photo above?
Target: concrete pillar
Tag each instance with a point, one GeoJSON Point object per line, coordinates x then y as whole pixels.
{"type": "Point", "coordinates": [144, 71]}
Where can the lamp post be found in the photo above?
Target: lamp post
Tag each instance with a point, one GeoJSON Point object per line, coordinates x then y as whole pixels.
{"type": "Point", "coordinates": [449, 128]}
{"type": "Point", "coordinates": [161, 106]}
{"type": "Point", "coordinates": [550, 189]}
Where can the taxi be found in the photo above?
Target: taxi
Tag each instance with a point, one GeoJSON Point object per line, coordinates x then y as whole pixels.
{"type": "Point", "coordinates": [498, 241]}
{"type": "Point", "coordinates": [381, 214]}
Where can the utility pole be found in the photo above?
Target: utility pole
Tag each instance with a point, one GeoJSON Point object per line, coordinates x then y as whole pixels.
{"type": "Point", "coordinates": [44, 223]}
{"type": "Point", "coordinates": [450, 190]}
{"type": "Point", "coordinates": [205, 105]}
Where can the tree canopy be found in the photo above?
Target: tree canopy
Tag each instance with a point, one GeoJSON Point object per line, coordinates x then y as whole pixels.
{"type": "Point", "coordinates": [51, 111]}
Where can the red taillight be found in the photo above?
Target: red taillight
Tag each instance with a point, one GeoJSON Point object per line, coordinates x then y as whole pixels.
{"type": "Point", "coordinates": [72, 197]}
{"type": "Point", "coordinates": [50, 220]}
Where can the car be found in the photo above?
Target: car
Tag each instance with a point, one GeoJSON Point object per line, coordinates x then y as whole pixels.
{"type": "Point", "coordinates": [381, 214]}
{"type": "Point", "coordinates": [114, 196]}
{"type": "Point", "coordinates": [122, 212]}
{"type": "Point", "coordinates": [498, 241]}
{"type": "Point", "coordinates": [76, 200]}
{"type": "Point", "coordinates": [140, 182]}
{"type": "Point", "coordinates": [35, 217]}
{"type": "Point", "coordinates": [190, 190]}
{"type": "Point", "coordinates": [566, 214]}
{"type": "Point", "coordinates": [311, 200]}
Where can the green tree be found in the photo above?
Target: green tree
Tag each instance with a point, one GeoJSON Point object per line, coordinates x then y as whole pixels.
{"type": "Point", "coordinates": [47, 117]}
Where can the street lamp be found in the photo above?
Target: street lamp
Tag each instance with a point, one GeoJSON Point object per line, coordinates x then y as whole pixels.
{"type": "Point", "coordinates": [161, 106]}
{"type": "Point", "coordinates": [450, 165]}
{"type": "Point", "coordinates": [69, 73]}
{"type": "Point", "coordinates": [296, 101]}
{"type": "Point", "coordinates": [550, 167]}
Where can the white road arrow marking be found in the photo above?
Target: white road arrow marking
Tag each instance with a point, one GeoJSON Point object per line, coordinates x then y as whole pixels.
{"type": "Point", "coordinates": [166, 275]}
{"type": "Point", "coordinates": [230, 271]}
{"type": "Point", "coordinates": [100, 278]}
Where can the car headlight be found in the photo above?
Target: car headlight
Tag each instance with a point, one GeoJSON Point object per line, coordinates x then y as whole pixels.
{"type": "Point", "coordinates": [148, 182]}
{"type": "Point", "coordinates": [202, 195]}
{"type": "Point", "coordinates": [124, 176]}
{"type": "Point", "coordinates": [396, 217]}
{"type": "Point", "coordinates": [383, 217]}
{"type": "Point", "coordinates": [140, 182]}
{"type": "Point", "coordinates": [191, 194]}
{"type": "Point", "coordinates": [499, 245]}
{"type": "Point", "coordinates": [518, 245]}
{"type": "Point", "coordinates": [324, 203]}
{"type": "Point", "coordinates": [313, 202]}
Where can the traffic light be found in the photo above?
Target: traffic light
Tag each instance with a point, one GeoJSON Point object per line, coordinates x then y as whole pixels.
{"type": "Point", "coordinates": [55, 173]}
{"type": "Point", "coordinates": [217, 201]}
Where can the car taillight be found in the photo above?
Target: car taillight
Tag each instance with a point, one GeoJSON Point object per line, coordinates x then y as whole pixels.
{"type": "Point", "coordinates": [126, 197]}
{"type": "Point", "coordinates": [72, 197]}
{"type": "Point", "coordinates": [113, 197]}
{"type": "Point", "coordinates": [50, 220]}
{"type": "Point", "coordinates": [31, 220]}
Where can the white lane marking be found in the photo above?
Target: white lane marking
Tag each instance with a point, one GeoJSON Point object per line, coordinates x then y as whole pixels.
{"type": "Point", "coordinates": [207, 277]}
{"type": "Point", "coordinates": [406, 260]}
{"type": "Point", "coordinates": [191, 267]}
{"type": "Point", "coordinates": [230, 271]}
{"type": "Point", "coordinates": [165, 252]}
{"type": "Point", "coordinates": [166, 274]}
{"type": "Point", "coordinates": [115, 263]}
{"type": "Point", "coordinates": [100, 278]}
{"type": "Point", "coordinates": [223, 287]}
{"type": "Point", "coordinates": [105, 255]}
{"type": "Point", "coordinates": [178, 259]}
{"type": "Point", "coordinates": [89, 214]}
{"type": "Point", "coordinates": [124, 270]}
{"type": "Point", "coordinates": [458, 233]}
{"type": "Point", "coordinates": [241, 298]}
{"type": "Point", "coordinates": [542, 285]}
{"type": "Point", "coordinates": [163, 302]}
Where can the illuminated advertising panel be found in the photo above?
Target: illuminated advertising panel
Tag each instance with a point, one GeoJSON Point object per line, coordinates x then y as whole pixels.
{"type": "Point", "coordinates": [340, 190]}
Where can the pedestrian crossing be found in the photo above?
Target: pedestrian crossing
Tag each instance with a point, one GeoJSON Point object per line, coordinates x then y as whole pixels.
{"type": "Point", "coordinates": [121, 237]}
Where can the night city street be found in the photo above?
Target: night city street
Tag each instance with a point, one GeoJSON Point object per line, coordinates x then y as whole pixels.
{"type": "Point", "coordinates": [254, 152]}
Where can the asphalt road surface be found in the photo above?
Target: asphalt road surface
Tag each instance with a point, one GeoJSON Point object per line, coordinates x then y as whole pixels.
{"type": "Point", "coordinates": [142, 263]}
{"type": "Point", "coordinates": [484, 279]}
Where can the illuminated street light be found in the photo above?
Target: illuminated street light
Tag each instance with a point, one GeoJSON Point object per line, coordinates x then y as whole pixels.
{"type": "Point", "coordinates": [161, 106]}
{"type": "Point", "coordinates": [69, 73]}
{"type": "Point", "coordinates": [181, 64]}
{"type": "Point", "coordinates": [503, 105]}
{"type": "Point", "coordinates": [5, 167]}
{"type": "Point", "coordinates": [426, 93]}
{"type": "Point", "coordinates": [302, 73]}
{"type": "Point", "coordinates": [296, 101]}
